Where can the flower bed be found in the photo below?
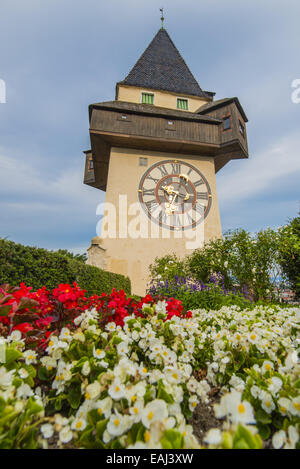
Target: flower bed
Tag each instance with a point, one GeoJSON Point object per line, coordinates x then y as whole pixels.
{"type": "Point", "coordinates": [125, 373]}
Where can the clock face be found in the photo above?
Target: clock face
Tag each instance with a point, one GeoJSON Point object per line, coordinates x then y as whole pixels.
{"type": "Point", "coordinates": [175, 195]}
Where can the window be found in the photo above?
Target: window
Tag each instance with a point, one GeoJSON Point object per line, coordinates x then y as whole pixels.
{"type": "Point", "coordinates": [147, 98]}
{"type": "Point", "coordinates": [143, 161]}
{"type": "Point", "coordinates": [91, 165]}
{"type": "Point", "coordinates": [182, 104]}
{"type": "Point", "coordinates": [242, 128]}
{"type": "Point", "coordinates": [124, 117]}
{"type": "Point", "coordinates": [227, 123]}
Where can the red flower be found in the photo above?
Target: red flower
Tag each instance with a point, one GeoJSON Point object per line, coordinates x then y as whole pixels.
{"type": "Point", "coordinates": [23, 327]}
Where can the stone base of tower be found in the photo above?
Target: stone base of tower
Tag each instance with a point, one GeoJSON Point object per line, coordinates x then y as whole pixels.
{"type": "Point", "coordinates": [97, 253]}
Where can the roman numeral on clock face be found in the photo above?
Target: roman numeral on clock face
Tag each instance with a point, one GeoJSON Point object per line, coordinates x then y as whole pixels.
{"type": "Point", "coordinates": [177, 221]}
{"type": "Point", "coordinates": [148, 192]}
{"type": "Point", "coordinates": [152, 205]}
{"type": "Point", "coordinates": [202, 195]}
{"type": "Point", "coordinates": [163, 170]}
{"type": "Point", "coordinates": [199, 208]}
{"type": "Point", "coordinates": [198, 183]}
{"type": "Point", "coordinates": [176, 168]}
{"type": "Point", "coordinates": [155, 180]}
{"type": "Point", "coordinates": [190, 220]}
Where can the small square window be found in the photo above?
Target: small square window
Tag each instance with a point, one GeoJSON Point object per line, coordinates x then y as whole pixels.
{"type": "Point", "coordinates": [227, 123]}
{"type": "Point", "coordinates": [170, 123]}
{"type": "Point", "coordinates": [147, 98]}
{"type": "Point", "coordinates": [182, 104]}
{"type": "Point", "coordinates": [143, 161]}
{"type": "Point", "coordinates": [124, 117]}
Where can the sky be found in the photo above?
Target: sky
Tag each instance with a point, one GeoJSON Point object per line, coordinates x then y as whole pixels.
{"type": "Point", "coordinates": [58, 56]}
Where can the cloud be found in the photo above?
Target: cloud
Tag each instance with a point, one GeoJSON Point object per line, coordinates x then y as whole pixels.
{"type": "Point", "coordinates": [61, 56]}
{"type": "Point", "coordinates": [270, 168]}
{"type": "Point", "coordinates": [37, 208]}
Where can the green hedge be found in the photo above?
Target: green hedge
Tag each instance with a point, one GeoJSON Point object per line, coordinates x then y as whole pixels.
{"type": "Point", "coordinates": [37, 267]}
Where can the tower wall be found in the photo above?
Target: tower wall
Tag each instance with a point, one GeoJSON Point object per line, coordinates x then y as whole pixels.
{"type": "Point", "coordinates": [130, 256]}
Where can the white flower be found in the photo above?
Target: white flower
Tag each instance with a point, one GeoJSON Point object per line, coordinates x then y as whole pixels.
{"type": "Point", "coordinates": [122, 348]}
{"type": "Point", "coordinates": [136, 410]}
{"type": "Point", "coordinates": [24, 391]}
{"type": "Point", "coordinates": [295, 406]}
{"type": "Point", "coordinates": [65, 435]}
{"type": "Point", "coordinates": [213, 437]}
{"type": "Point", "coordinates": [118, 424]}
{"type": "Point", "coordinates": [267, 366]}
{"type": "Point", "coordinates": [255, 391]}
{"type": "Point", "coordinates": [143, 371]}
{"type": "Point", "coordinates": [49, 363]}
{"type": "Point", "coordinates": [78, 424]}
{"type": "Point", "coordinates": [116, 390]}
{"type": "Point", "coordinates": [23, 373]}
{"type": "Point", "coordinates": [283, 405]}
{"type": "Point", "coordinates": [30, 357]}
{"type": "Point", "coordinates": [154, 411]}
{"type": "Point", "coordinates": [86, 369]}
{"type": "Point", "coordinates": [232, 407]}
{"type": "Point", "coordinates": [93, 390]}
{"type": "Point", "coordinates": [193, 402]}
{"type": "Point", "coordinates": [15, 336]}
{"type": "Point", "coordinates": [278, 439]}
{"type": "Point", "coordinates": [98, 353]}
{"type": "Point", "coordinates": [267, 402]}
{"type": "Point", "coordinates": [173, 375]}
{"type": "Point", "coordinates": [56, 344]}
{"type": "Point", "coordinates": [276, 385]}
{"type": "Point", "coordinates": [47, 430]}
{"type": "Point", "coordinates": [111, 327]}
{"type": "Point", "coordinates": [293, 437]}
{"type": "Point", "coordinates": [104, 407]}
{"type": "Point", "coordinates": [161, 307]}
{"type": "Point", "coordinates": [65, 334]}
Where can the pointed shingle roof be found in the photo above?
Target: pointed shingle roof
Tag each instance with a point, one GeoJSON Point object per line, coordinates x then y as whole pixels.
{"type": "Point", "coordinates": [161, 67]}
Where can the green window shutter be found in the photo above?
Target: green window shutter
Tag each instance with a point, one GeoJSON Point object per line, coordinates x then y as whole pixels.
{"type": "Point", "coordinates": [182, 104]}
{"type": "Point", "coordinates": [147, 98]}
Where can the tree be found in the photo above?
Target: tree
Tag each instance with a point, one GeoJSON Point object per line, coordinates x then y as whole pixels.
{"type": "Point", "coordinates": [290, 253]}
{"type": "Point", "coordinates": [246, 261]}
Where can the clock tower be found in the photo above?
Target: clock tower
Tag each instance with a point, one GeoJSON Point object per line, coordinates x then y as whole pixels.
{"type": "Point", "coordinates": [155, 151]}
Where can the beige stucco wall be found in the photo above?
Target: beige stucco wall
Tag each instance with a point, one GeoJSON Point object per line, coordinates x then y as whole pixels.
{"type": "Point", "coordinates": [133, 94]}
{"type": "Point", "coordinates": [132, 257]}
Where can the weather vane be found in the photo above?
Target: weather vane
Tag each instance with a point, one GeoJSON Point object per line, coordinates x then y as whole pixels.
{"type": "Point", "coordinates": [162, 17]}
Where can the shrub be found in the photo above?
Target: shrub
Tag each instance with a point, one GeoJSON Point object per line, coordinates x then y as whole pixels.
{"type": "Point", "coordinates": [243, 259]}
{"type": "Point", "coordinates": [167, 267]}
{"type": "Point", "coordinates": [290, 253]}
{"type": "Point", "coordinates": [197, 295]}
{"type": "Point", "coordinates": [36, 267]}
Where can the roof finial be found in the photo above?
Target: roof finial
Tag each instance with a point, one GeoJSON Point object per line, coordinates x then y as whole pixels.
{"type": "Point", "coordinates": [162, 17]}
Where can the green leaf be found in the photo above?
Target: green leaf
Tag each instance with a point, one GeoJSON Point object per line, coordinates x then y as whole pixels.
{"type": "Point", "coordinates": [33, 407]}
{"type": "Point", "coordinates": [162, 394]}
{"type": "Point", "coordinates": [262, 417]}
{"type": "Point", "coordinates": [12, 355]}
{"type": "Point", "coordinates": [100, 428]}
{"type": "Point", "coordinates": [43, 373]}
{"type": "Point", "coordinates": [172, 439]}
{"type": "Point", "coordinates": [264, 431]}
{"type": "Point", "coordinates": [116, 340]}
{"type": "Point", "coordinates": [240, 444]}
{"type": "Point", "coordinates": [74, 396]}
